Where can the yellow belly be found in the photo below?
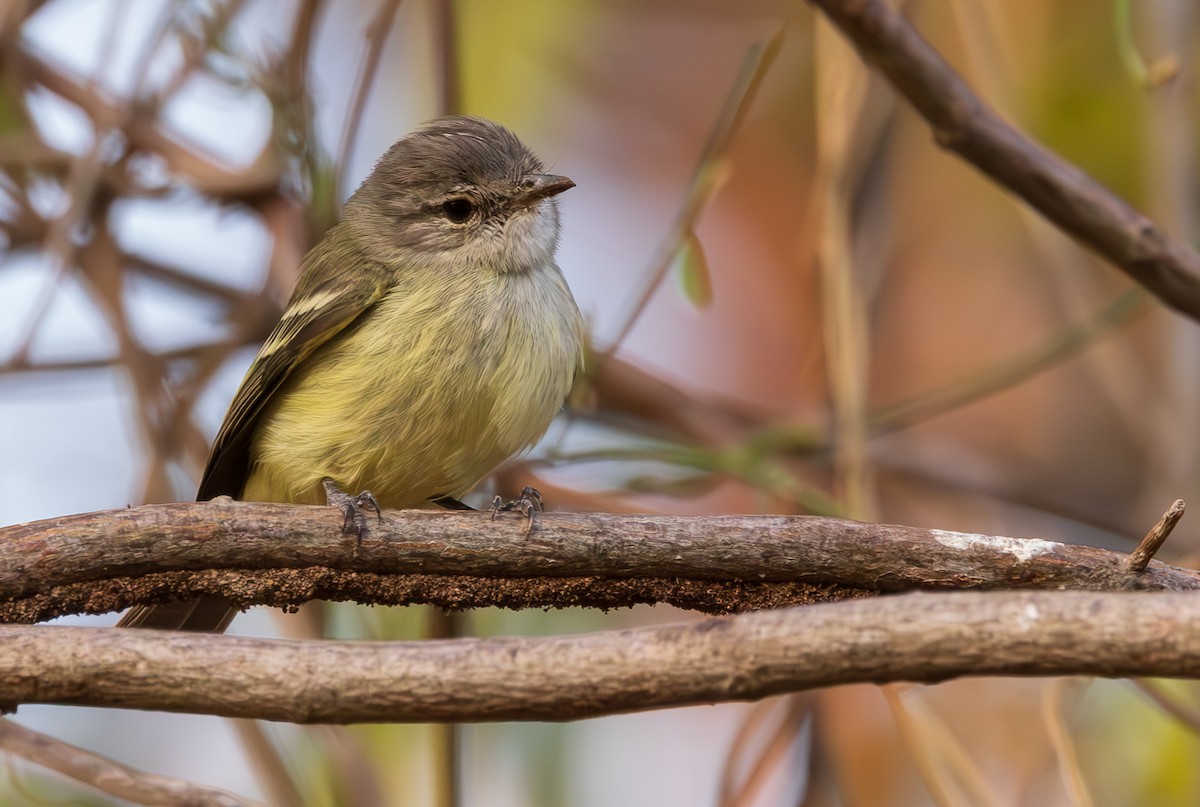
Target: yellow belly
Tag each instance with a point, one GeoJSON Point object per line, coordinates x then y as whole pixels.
{"type": "Point", "coordinates": [422, 396]}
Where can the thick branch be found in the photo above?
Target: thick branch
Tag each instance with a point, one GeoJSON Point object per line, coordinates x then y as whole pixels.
{"type": "Point", "coordinates": [284, 555]}
{"type": "Point", "coordinates": [914, 637]}
{"type": "Point", "coordinates": [1060, 191]}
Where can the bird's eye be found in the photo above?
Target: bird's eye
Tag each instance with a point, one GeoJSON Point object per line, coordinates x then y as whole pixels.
{"type": "Point", "coordinates": [458, 209]}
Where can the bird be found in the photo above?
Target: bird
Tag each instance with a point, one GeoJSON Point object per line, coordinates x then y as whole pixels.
{"type": "Point", "coordinates": [431, 336]}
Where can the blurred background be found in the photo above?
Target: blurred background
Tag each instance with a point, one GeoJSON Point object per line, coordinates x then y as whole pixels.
{"type": "Point", "coordinates": [797, 303]}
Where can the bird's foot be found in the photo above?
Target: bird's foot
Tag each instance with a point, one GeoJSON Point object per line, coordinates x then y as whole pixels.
{"type": "Point", "coordinates": [354, 517]}
{"type": "Point", "coordinates": [528, 503]}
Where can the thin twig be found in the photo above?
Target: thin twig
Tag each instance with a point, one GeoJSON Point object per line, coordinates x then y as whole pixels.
{"type": "Point", "coordinates": [195, 50]}
{"type": "Point", "coordinates": [1140, 557]}
{"type": "Point", "coordinates": [841, 89]}
{"type": "Point", "coordinates": [945, 765]}
{"type": "Point", "coordinates": [303, 29]}
{"type": "Point", "coordinates": [942, 791]}
{"type": "Point", "coordinates": [1185, 713]}
{"type": "Point", "coordinates": [376, 36]}
{"type": "Point", "coordinates": [268, 765]}
{"type": "Point", "coordinates": [110, 776]}
{"type": "Point", "coordinates": [1054, 719]}
{"type": "Point", "coordinates": [790, 716]}
{"type": "Point", "coordinates": [1056, 350]}
{"type": "Point", "coordinates": [450, 74]}
{"type": "Point", "coordinates": [705, 180]}
{"type": "Point", "coordinates": [202, 170]}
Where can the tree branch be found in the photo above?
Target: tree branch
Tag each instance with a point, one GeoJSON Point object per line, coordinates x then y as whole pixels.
{"type": "Point", "coordinates": [914, 637]}
{"type": "Point", "coordinates": [1060, 191]}
{"type": "Point", "coordinates": [109, 776]}
{"type": "Point", "coordinates": [203, 171]}
{"type": "Point", "coordinates": [284, 555]}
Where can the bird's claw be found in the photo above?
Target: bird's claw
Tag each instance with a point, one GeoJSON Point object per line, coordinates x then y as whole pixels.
{"type": "Point", "coordinates": [354, 517]}
{"type": "Point", "coordinates": [527, 503]}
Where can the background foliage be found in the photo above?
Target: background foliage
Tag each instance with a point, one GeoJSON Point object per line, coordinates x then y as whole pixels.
{"type": "Point", "coordinates": [797, 302]}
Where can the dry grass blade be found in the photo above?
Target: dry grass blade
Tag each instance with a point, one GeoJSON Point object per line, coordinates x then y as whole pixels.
{"type": "Point", "coordinates": [841, 96]}
{"type": "Point", "coordinates": [1057, 349]}
{"type": "Point", "coordinates": [948, 771]}
{"type": "Point", "coordinates": [704, 181]}
{"type": "Point", "coordinates": [1055, 721]}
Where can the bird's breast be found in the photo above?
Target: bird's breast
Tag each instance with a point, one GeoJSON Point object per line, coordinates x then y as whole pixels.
{"type": "Point", "coordinates": [425, 393]}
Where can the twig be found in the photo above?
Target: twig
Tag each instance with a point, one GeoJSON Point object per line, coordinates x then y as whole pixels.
{"type": "Point", "coordinates": [202, 170]}
{"type": "Point", "coordinates": [789, 717]}
{"type": "Point", "coordinates": [303, 29]}
{"type": "Point", "coordinates": [841, 89]}
{"type": "Point", "coordinates": [1053, 352]}
{"type": "Point", "coordinates": [189, 352]}
{"type": "Point", "coordinates": [1059, 733]}
{"type": "Point", "coordinates": [1185, 713]}
{"type": "Point", "coordinates": [267, 764]}
{"type": "Point", "coordinates": [359, 780]}
{"type": "Point", "coordinates": [376, 36]}
{"type": "Point", "coordinates": [645, 403]}
{"type": "Point", "coordinates": [1063, 193]}
{"type": "Point", "coordinates": [445, 25]}
{"type": "Point", "coordinates": [624, 389]}
{"type": "Point", "coordinates": [1140, 557]}
{"type": "Point", "coordinates": [109, 776]}
{"type": "Point", "coordinates": [704, 180]}
{"type": "Point", "coordinates": [943, 791]}
{"type": "Point", "coordinates": [197, 285]}
{"type": "Point", "coordinates": [914, 637]}
{"type": "Point", "coordinates": [945, 765]}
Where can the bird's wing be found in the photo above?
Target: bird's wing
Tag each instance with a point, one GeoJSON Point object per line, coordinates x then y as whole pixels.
{"type": "Point", "coordinates": [323, 304]}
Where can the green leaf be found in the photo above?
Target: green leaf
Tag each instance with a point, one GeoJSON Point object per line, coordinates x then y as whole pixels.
{"type": "Point", "coordinates": [693, 271]}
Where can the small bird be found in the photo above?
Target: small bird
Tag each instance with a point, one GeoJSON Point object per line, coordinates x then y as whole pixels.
{"type": "Point", "coordinates": [431, 336]}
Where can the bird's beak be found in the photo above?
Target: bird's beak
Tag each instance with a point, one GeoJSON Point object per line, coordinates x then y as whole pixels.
{"type": "Point", "coordinates": [535, 187]}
